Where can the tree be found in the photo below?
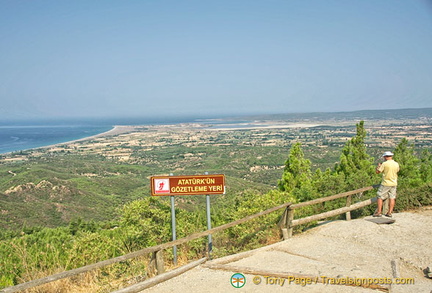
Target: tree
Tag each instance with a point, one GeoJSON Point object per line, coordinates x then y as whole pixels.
{"type": "Point", "coordinates": [426, 166]}
{"type": "Point", "coordinates": [297, 171]}
{"type": "Point", "coordinates": [408, 162]}
{"type": "Point", "coordinates": [328, 182]}
{"type": "Point", "coordinates": [146, 222]}
{"type": "Point", "coordinates": [355, 164]}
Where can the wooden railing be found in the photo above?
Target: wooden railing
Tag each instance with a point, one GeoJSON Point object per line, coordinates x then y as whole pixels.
{"type": "Point", "coordinates": [287, 223]}
{"type": "Point", "coordinates": [156, 250]}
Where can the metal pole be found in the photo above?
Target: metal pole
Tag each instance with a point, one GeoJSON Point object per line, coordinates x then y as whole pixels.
{"type": "Point", "coordinates": [173, 226]}
{"type": "Point", "coordinates": [209, 226]}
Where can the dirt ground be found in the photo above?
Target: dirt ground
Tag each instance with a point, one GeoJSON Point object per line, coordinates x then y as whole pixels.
{"type": "Point", "coordinates": [357, 251]}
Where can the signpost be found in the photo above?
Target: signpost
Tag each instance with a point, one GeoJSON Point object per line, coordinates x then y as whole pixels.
{"type": "Point", "coordinates": [188, 185]}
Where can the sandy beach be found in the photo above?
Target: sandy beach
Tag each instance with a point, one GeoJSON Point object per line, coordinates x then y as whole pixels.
{"type": "Point", "coordinates": [117, 129]}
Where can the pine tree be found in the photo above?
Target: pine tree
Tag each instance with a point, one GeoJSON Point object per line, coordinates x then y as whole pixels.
{"type": "Point", "coordinates": [426, 166]}
{"type": "Point", "coordinates": [408, 162]}
{"type": "Point", "coordinates": [297, 171]}
{"type": "Point", "coordinates": [355, 164]}
{"type": "Point", "coordinates": [328, 182]}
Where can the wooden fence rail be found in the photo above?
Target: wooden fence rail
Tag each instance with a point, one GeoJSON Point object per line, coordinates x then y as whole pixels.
{"type": "Point", "coordinates": [287, 223]}
{"type": "Point", "coordinates": [153, 249]}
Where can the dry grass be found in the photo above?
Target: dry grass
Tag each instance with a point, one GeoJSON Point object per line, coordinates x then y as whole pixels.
{"type": "Point", "coordinates": [102, 280]}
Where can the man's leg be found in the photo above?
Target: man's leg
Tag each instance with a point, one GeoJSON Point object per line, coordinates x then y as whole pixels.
{"type": "Point", "coordinates": [392, 199]}
{"type": "Point", "coordinates": [379, 207]}
{"type": "Point", "coordinates": [385, 206]}
{"type": "Point", "coordinates": [391, 207]}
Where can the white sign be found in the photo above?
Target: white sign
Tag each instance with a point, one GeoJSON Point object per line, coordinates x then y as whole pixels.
{"type": "Point", "coordinates": [162, 186]}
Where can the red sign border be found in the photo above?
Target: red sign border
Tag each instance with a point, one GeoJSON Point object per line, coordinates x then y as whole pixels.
{"type": "Point", "coordinates": [153, 193]}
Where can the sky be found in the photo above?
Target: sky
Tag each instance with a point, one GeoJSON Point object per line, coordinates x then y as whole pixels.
{"type": "Point", "coordinates": [147, 58]}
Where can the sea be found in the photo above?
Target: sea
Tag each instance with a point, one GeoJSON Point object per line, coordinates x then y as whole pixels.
{"type": "Point", "coordinates": [26, 135]}
{"type": "Point", "coordinates": [20, 138]}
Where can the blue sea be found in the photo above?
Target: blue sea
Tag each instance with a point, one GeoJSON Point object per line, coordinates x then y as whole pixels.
{"type": "Point", "coordinates": [25, 135]}
{"type": "Point", "coordinates": [19, 138]}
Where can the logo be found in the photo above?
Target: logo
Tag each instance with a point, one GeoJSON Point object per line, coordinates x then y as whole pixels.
{"type": "Point", "coordinates": [162, 185]}
{"type": "Point", "coordinates": [238, 280]}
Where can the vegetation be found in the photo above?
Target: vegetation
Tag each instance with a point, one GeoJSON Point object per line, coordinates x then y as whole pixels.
{"type": "Point", "coordinates": [67, 209]}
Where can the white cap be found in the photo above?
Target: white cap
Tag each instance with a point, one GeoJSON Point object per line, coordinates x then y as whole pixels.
{"type": "Point", "coordinates": [388, 154]}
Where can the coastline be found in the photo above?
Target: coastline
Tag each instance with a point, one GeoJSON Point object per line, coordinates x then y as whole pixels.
{"type": "Point", "coordinates": [116, 130]}
{"type": "Point", "coordinates": [123, 129]}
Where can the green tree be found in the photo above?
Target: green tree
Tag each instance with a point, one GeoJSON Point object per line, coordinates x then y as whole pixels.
{"type": "Point", "coordinates": [355, 164]}
{"type": "Point", "coordinates": [328, 183]}
{"type": "Point", "coordinates": [426, 166]}
{"type": "Point", "coordinates": [146, 222]}
{"type": "Point", "coordinates": [297, 171]}
{"type": "Point", "coordinates": [409, 164]}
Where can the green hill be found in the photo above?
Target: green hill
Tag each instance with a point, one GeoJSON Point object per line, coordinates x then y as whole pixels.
{"type": "Point", "coordinates": [83, 202]}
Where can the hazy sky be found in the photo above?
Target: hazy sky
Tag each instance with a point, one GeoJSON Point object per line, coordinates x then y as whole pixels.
{"type": "Point", "coordinates": [156, 58]}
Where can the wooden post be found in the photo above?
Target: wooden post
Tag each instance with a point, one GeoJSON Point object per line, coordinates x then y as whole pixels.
{"type": "Point", "coordinates": [160, 268]}
{"type": "Point", "coordinates": [159, 261]}
{"type": "Point", "coordinates": [285, 233]}
{"type": "Point", "coordinates": [348, 203]}
{"type": "Point", "coordinates": [282, 224]}
{"type": "Point", "coordinates": [290, 218]}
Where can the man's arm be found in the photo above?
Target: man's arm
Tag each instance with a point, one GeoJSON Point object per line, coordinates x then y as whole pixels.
{"type": "Point", "coordinates": [378, 168]}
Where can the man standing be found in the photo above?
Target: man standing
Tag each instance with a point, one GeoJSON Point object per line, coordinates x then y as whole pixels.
{"type": "Point", "coordinates": [388, 186]}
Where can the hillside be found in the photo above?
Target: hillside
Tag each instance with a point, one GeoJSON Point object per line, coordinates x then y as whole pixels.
{"type": "Point", "coordinates": [94, 194]}
{"type": "Point", "coordinates": [91, 179]}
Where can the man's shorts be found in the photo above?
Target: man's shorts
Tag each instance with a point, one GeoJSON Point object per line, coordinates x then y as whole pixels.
{"type": "Point", "coordinates": [385, 192]}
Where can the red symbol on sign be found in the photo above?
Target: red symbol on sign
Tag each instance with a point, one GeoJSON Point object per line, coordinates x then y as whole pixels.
{"type": "Point", "coordinates": [162, 185]}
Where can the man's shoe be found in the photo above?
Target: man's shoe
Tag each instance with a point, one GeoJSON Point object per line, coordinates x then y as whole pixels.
{"type": "Point", "coordinates": [376, 215]}
{"type": "Point", "coordinates": [388, 215]}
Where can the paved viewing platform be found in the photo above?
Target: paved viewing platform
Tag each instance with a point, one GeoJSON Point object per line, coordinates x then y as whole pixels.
{"type": "Point", "coordinates": [327, 258]}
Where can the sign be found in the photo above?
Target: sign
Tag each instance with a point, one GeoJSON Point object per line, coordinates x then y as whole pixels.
{"type": "Point", "coordinates": [187, 185]}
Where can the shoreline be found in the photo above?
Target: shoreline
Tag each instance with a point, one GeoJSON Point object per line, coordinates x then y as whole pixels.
{"type": "Point", "coordinates": [123, 129]}
{"type": "Point", "coordinates": [117, 129]}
